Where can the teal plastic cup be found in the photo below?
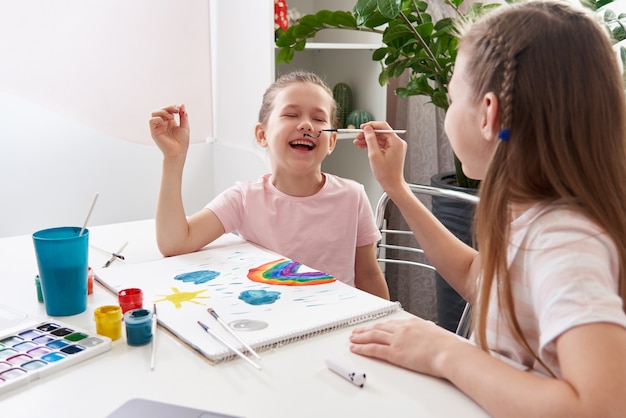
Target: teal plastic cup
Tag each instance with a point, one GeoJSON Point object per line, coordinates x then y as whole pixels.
{"type": "Point", "coordinates": [62, 258]}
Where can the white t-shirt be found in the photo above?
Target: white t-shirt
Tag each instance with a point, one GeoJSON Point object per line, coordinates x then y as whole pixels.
{"type": "Point", "coordinates": [320, 231]}
{"type": "Point", "coordinates": [565, 273]}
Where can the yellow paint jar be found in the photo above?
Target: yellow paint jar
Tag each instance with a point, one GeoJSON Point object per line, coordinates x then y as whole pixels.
{"type": "Point", "coordinates": [109, 321]}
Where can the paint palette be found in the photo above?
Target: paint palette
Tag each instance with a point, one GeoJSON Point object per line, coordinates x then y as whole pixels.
{"type": "Point", "coordinates": [46, 347]}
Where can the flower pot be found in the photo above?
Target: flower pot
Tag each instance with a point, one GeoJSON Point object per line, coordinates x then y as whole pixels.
{"type": "Point", "coordinates": [457, 216]}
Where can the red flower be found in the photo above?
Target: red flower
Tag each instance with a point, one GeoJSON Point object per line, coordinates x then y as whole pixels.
{"type": "Point", "coordinates": [280, 15]}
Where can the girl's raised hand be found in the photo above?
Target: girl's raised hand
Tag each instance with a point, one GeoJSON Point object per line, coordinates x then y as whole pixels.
{"type": "Point", "coordinates": [386, 152]}
{"type": "Point", "coordinates": [171, 137]}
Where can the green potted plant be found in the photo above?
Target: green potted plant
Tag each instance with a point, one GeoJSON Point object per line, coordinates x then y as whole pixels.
{"type": "Point", "coordinates": [412, 41]}
{"type": "Point", "coordinates": [415, 42]}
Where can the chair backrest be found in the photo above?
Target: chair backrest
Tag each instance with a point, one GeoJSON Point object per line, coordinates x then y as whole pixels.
{"type": "Point", "coordinates": [409, 253]}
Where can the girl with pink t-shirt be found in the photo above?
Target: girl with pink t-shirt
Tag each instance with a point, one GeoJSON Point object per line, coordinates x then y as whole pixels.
{"type": "Point", "coordinates": [317, 219]}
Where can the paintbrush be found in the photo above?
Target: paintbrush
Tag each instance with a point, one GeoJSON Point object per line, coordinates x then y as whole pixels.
{"type": "Point", "coordinates": [231, 332]}
{"type": "Point", "coordinates": [227, 344]}
{"type": "Point", "coordinates": [95, 199]}
{"type": "Point", "coordinates": [354, 131]}
{"type": "Point", "coordinates": [116, 255]}
{"type": "Point", "coordinates": [154, 329]}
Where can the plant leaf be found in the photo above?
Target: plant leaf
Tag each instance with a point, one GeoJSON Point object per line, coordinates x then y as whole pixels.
{"type": "Point", "coordinates": [389, 8]}
{"type": "Point", "coordinates": [374, 20]}
{"type": "Point", "coordinates": [310, 20]}
{"type": "Point", "coordinates": [302, 30]}
{"type": "Point", "coordinates": [342, 18]}
{"type": "Point", "coordinates": [379, 54]}
{"type": "Point", "coordinates": [365, 7]}
{"type": "Point", "coordinates": [284, 55]}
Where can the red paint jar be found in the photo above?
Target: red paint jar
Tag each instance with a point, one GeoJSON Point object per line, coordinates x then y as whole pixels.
{"type": "Point", "coordinates": [130, 299]}
{"type": "Point", "coordinates": [90, 276]}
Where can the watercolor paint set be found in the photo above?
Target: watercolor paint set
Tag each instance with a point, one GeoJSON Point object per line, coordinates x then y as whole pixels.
{"type": "Point", "coordinates": [32, 352]}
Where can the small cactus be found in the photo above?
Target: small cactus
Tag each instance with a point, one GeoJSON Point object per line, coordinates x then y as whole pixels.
{"type": "Point", "coordinates": [357, 117]}
{"type": "Point", "coordinates": [343, 96]}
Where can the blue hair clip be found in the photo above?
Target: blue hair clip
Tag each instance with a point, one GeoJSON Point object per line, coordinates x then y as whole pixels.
{"type": "Point", "coordinates": [504, 135]}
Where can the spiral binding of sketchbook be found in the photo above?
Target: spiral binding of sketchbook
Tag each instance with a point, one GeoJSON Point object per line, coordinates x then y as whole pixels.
{"type": "Point", "coordinates": [267, 300]}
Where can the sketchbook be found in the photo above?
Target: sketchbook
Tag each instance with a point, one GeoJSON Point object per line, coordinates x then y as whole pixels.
{"type": "Point", "coordinates": [266, 299]}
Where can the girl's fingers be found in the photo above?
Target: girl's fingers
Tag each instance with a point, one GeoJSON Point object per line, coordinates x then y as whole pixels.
{"type": "Point", "coordinates": [370, 139]}
{"type": "Point", "coordinates": [155, 122]}
{"type": "Point", "coordinates": [374, 336]}
{"type": "Point", "coordinates": [166, 115]}
{"type": "Point", "coordinates": [167, 112]}
{"type": "Point", "coordinates": [184, 116]}
{"type": "Point", "coordinates": [172, 108]}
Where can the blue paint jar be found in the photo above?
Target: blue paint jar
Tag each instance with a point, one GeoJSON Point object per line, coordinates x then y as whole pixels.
{"type": "Point", "coordinates": [138, 324]}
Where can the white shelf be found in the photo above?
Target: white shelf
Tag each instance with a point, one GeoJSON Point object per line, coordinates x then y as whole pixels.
{"type": "Point", "coordinates": [339, 55]}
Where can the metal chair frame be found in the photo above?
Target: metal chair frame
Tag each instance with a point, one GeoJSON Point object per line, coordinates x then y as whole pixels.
{"type": "Point", "coordinates": [464, 327]}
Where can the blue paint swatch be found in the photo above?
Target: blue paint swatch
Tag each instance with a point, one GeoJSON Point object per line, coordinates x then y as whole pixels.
{"type": "Point", "coordinates": [259, 297]}
{"type": "Point", "coordinates": [197, 277]}
{"type": "Point", "coordinates": [52, 357]}
{"type": "Point", "coordinates": [57, 344]}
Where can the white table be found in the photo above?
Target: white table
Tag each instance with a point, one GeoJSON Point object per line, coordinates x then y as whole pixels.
{"type": "Point", "coordinates": [294, 382]}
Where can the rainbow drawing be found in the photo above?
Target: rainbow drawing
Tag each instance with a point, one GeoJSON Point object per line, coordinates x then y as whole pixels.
{"type": "Point", "coordinates": [285, 272]}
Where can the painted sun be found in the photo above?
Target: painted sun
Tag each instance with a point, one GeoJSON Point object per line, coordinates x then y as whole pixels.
{"type": "Point", "coordinates": [178, 297]}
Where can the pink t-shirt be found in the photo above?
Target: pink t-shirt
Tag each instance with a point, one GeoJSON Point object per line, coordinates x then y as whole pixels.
{"type": "Point", "coordinates": [565, 273]}
{"type": "Point", "coordinates": [320, 231]}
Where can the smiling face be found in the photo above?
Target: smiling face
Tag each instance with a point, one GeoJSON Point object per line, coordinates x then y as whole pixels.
{"type": "Point", "coordinates": [293, 133]}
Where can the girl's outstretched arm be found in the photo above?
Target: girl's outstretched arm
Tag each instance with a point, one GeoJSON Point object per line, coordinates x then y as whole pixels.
{"type": "Point", "coordinates": [175, 233]}
{"type": "Point", "coordinates": [592, 363]}
{"type": "Point", "coordinates": [386, 153]}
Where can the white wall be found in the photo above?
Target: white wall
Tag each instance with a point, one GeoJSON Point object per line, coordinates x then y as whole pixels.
{"type": "Point", "coordinates": [243, 68]}
{"type": "Point", "coordinates": [52, 163]}
{"type": "Point", "coordinates": [108, 64]}
{"type": "Point", "coordinates": [51, 168]}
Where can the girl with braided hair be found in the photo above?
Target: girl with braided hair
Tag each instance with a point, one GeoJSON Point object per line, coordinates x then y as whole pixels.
{"type": "Point", "coordinates": [538, 114]}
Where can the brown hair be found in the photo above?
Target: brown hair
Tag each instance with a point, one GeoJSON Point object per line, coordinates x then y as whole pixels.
{"type": "Point", "coordinates": [290, 78]}
{"type": "Point", "coordinates": [560, 91]}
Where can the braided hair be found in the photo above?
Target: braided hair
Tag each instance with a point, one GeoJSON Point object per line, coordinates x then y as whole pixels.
{"type": "Point", "coordinates": [562, 112]}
